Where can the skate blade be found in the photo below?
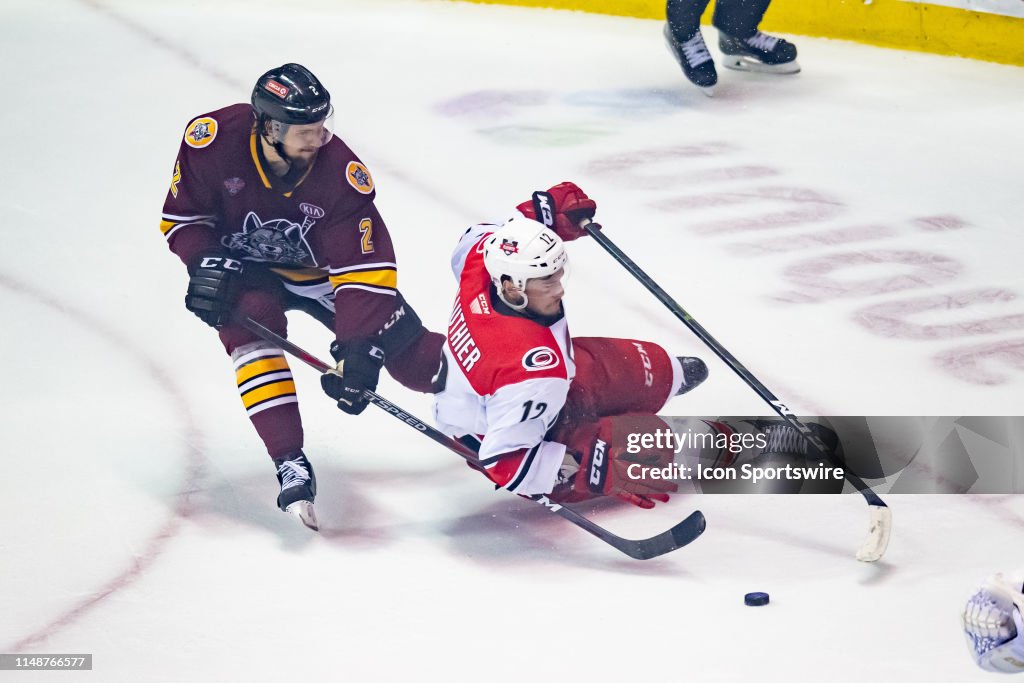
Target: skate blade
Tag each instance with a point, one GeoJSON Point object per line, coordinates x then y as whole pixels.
{"type": "Point", "coordinates": [741, 63]}
{"type": "Point", "coordinates": [709, 91]}
{"type": "Point", "coordinates": [303, 509]}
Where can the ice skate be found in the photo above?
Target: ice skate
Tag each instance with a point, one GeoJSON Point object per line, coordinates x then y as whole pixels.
{"type": "Point", "coordinates": [760, 52]}
{"type": "Point", "coordinates": [785, 438]}
{"type": "Point", "coordinates": [298, 488]}
{"type": "Point", "coordinates": [695, 60]}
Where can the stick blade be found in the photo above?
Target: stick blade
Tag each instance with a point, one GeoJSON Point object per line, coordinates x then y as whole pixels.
{"type": "Point", "coordinates": [879, 531]}
{"type": "Point", "coordinates": [684, 533]}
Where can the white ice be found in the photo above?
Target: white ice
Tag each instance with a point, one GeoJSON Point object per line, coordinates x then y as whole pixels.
{"type": "Point", "coordinates": [851, 234]}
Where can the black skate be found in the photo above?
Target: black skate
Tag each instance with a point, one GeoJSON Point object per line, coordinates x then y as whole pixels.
{"type": "Point", "coordinates": [298, 487]}
{"type": "Point", "coordinates": [760, 52]}
{"type": "Point", "coordinates": [785, 439]}
{"type": "Point", "coordinates": [694, 58]}
{"type": "Point", "coordinates": [694, 372]}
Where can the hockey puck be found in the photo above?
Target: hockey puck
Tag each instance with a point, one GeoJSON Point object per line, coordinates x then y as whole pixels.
{"type": "Point", "coordinates": [755, 599]}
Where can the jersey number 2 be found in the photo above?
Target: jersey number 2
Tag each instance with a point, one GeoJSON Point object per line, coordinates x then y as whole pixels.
{"type": "Point", "coordinates": [366, 228]}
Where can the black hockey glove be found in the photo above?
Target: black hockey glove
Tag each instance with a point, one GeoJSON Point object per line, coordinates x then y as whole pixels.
{"type": "Point", "coordinates": [359, 364]}
{"type": "Point", "coordinates": [213, 286]}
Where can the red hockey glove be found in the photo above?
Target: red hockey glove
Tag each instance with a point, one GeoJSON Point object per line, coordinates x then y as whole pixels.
{"type": "Point", "coordinates": [607, 470]}
{"type": "Point", "coordinates": [561, 208]}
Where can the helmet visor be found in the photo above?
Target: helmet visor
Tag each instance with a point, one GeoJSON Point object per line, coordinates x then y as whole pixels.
{"type": "Point", "coordinates": [305, 135]}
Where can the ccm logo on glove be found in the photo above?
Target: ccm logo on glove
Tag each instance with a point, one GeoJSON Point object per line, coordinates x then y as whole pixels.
{"type": "Point", "coordinates": [542, 205]}
{"type": "Point", "coordinates": [597, 466]}
{"type": "Point", "coordinates": [221, 262]}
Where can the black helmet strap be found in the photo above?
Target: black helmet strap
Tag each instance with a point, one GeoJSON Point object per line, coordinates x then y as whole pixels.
{"type": "Point", "coordinates": [289, 180]}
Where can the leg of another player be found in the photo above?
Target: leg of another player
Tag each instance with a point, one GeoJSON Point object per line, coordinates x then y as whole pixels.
{"type": "Point", "coordinates": [684, 40]}
{"type": "Point", "coordinates": [743, 46]}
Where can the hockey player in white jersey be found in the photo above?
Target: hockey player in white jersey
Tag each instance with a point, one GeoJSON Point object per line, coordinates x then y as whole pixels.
{"type": "Point", "coordinates": [993, 625]}
{"type": "Point", "coordinates": [535, 402]}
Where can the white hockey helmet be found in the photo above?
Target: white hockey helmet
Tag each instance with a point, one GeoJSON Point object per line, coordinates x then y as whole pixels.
{"type": "Point", "coordinates": [520, 250]}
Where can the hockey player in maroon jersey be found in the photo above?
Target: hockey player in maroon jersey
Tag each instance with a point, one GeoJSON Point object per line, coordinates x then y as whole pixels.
{"type": "Point", "coordinates": [271, 212]}
{"type": "Point", "coordinates": [536, 402]}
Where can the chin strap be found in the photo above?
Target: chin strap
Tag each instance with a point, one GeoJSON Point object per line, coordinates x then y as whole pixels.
{"type": "Point", "coordinates": [292, 176]}
{"type": "Point", "coordinates": [277, 145]}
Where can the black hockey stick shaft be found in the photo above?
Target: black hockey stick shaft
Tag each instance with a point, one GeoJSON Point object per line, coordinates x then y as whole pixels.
{"type": "Point", "coordinates": [681, 534]}
{"type": "Point", "coordinates": [778, 406]}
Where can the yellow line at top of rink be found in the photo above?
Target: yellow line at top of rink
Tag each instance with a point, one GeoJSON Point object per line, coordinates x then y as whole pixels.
{"type": "Point", "coordinates": [886, 23]}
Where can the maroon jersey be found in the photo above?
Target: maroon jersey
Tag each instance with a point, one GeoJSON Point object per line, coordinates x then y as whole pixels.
{"type": "Point", "coordinates": [323, 237]}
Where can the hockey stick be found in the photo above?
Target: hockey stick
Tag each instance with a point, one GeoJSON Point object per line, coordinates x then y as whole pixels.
{"type": "Point", "coordinates": [880, 525]}
{"type": "Point", "coordinates": [681, 534]}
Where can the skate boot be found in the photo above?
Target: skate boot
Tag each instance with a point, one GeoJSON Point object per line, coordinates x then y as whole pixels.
{"type": "Point", "coordinates": [760, 52]}
{"type": "Point", "coordinates": [784, 438]}
{"type": "Point", "coordinates": [694, 372]}
{"type": "Point", "coordinates": [298, 487]}
{"type": "Point", "coordinates": [693, 56]}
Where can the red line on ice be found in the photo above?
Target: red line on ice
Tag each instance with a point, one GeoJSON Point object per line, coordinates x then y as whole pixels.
{"type": "Point", "coordinates": [158, 541]}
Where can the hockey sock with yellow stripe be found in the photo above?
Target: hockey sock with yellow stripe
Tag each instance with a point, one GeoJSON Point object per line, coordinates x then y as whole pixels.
{"type": "Point", "coordinates": [267, 388]}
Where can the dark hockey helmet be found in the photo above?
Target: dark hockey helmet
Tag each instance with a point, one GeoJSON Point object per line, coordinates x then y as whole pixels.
{"type": "Point", "coordinates": [291, 94]}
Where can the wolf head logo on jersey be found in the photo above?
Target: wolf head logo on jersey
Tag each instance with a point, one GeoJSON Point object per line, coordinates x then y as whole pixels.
{"type": "Point", "coordinates": [278, 240]}
{"type": "Point", "coordinates": [358, 177]}
{"type": "Point", "coordinates": [509, 247]}
{"type": "Point", "coordinates": [201, 132]}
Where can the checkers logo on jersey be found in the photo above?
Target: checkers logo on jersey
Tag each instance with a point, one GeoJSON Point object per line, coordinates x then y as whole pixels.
{"type": "Point", "coordinates": [359, 177]}
{"type": "Point", "coordinates": [540, 358]}
{"type": "Point", "coordinates": [201, 132]}
{"type": "Point", "coordinates": [276, 88]}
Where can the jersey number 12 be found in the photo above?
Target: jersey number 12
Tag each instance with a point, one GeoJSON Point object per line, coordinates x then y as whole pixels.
{"type": "Point", "coordinates": [529, 410]}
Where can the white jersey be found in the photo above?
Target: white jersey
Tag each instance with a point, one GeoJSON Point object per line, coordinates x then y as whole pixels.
{"type": "Point", "coordinates": [508, 378]}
